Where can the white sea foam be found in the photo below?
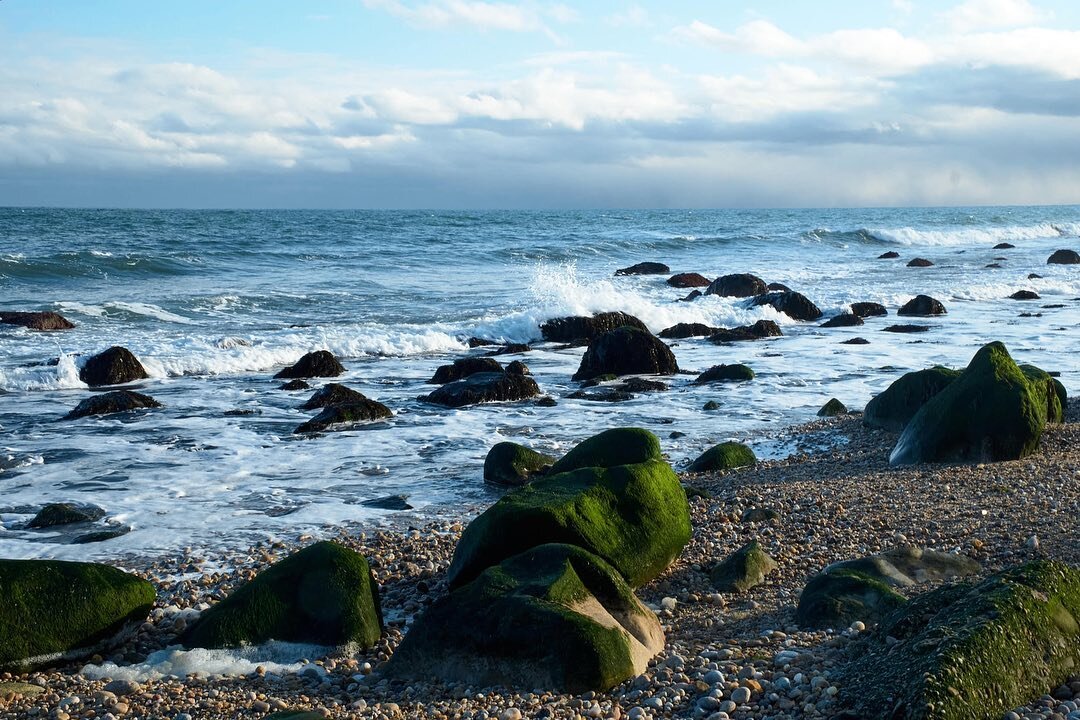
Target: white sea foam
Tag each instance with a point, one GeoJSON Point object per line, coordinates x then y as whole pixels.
{"type": "Point", "coordinates": [277, 658]}
{"type": "Point", "coordinates": [974, 235]}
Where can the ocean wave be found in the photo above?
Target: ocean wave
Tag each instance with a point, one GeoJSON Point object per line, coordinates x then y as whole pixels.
{"type": "Point", "coordinates": [970, 235]}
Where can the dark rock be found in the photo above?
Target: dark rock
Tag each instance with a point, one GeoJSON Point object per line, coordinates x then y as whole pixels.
{"type": "Point", "coordinates": [856, 341]}
{"type": "Point", "coordinates": [1025, 295]}
{"type": "Point", "coordinates": [759, 330]}
{"type": "Point", "coordinates": [518, 368]}
{"type": "Point", "coordinates": [510, 349]}
{"type": "Point", "coordinates": [711, 405]}
{"type": "Point", "coordinates": [689, 280]}
{"type": "Point", "coordinates": [908, 566]}
{"type": "Point", "coordinates": [57, 611]}
{"type": "Point", "coordinates": [341, 416]}
{"type": "Point", "coordinates": [725, 373]}
{"type": "Point", "coordinates": [475, 342]}
{"type": "Point", "coordinates": [1064, 257]}
{"type": "Point", "coordinates": [1034, 276]}
{"type": "Point", "coordinates": [64, 514]}
{"type": "Point", "coordinates": [724, 456]}
{"type": "Point", "coordinates": [843, 320]}
{"type": "Point", "coordinates": [906, 328]}
{"type": "Point", "coordinates": [1004, 246]}
{"type": "Point", "coordinates": [1030, 315]}
{"type": "Point", "coordinates": [333, 394]}
{"type": "Point", "coordinates": [693, 295]}
{"type": "Point", "coordinates": [37, 320]}
{"type": "Point", "coordinates": [890, 255]}
{"type": "Point", "coordinates": [832, 408]}
{"type": "Point", "coordinates": [779, 287]}
{"type": "Point", "coordinates": [637, 384]}
{"type": "Point", "coordinates": [484, 387]}
{"type": "Point", "coordinates": [893, 408]}
{"type": "Point", "coordinates": [746, 568]}
{"type": "Point", "coordinates": [390, 502]}
{"type": "Point", "coordinates": [242, 412]}
{"type": "Point", "coordinates": [108, 532]}
{"type": "Point", "coordinates": [115, 366]}
{"type": "Point", "coordinates": [644, 268]}
{"type": "Point", "coordinates": [324, 594]}
{"type": "Point", "coordinates": [993, 266]}
{"type": "Point", "coordinates": [794, 305]}
{"type": "Point", "coordinates": [920, 262]}
{"type": "Point", "coordinates": [463, 368]}
{"type": "Point", "coordinates": [555, 617]}
{"type": "Point", "coordinates": [547, 401]}
{"type": "Point", "coordinates": [759, 515]}
{"type": "Point", "coordinates": [585, 329]}
{"type": "Point", "coordinates": [737, 285]}
{"type": "Point", "coordinates": [607, 394]}
{"type": "Point", "coordinates": [922, 306]}
{"type": "Point", "coordinates": [686, 330]}
{"type": "Point", "coordinates": [836, 598]}
{"type": "Point", "coordinates": [294, 385]}
{"type": "Point", "coordinates": [112, 402]}
{"type": "Point", "coordinates": [511, 465]}
{"type": "Point", "coordinates": [627, 351]}
{"type": "Point", "coordinates": [320, 363]}
{"type": "Point", "coordinates": [868, 309]}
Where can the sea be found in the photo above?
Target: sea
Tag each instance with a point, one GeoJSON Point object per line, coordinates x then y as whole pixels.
{"type": "Point", "coordinates": [214, 303]}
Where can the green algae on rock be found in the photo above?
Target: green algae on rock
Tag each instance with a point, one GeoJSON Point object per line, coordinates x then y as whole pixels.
{"type": "Point", "coordinates": [833, 408]}
{"type": "Point", "coordinates": [837, 598]}
{"type": "Point", "coordinates": [893, 408]}
{"type": "Point", "coordinates": [635, 517]}
{"type": "Point", "coordinates": [324, 594]}
{"type": "Point", "coordinates": [724, 456]}
{"type": "Point", "coordinates": [746, 568]}
{"type": "Point", "coordinates": [618, 446]}
{"type": "Point", "coordinates": [510, 464]}
{"type": "Point", "coordinates": [726, 373]}
{"type": "Point", "coordinates": [971, 651]}
{"type": "Point", "coordinates": [993, 411]}
{"type": "Point", "coordinates": [553, 617]}
{"type": "Point", "coordinates": [53, 610]}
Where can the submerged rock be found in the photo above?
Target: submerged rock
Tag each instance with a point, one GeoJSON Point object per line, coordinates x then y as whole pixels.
{"type": "Point", "coordinates": [759, 330]}
{"type": "Point", "coordinates": [342, 415]}
{"type": "Point", "coordinates": [55, 514]}
{"type": "Point", "coordinates": [627, 351]}
{"type": "Point", "coordinates": [294, 385]}
{"type": "Point", "coordinates": [644, 268]}
{"type": "Point", "coordinates": [746, 568]}
{"type": "Point", "coordinates": [463, 368]}
{"type": "Point", "coordinates": [856, 341]}
{"type": "Point", "coordinates": [868, 309]}
{"type": "Point", "coordinates": [389, 502]}
{"type": "Point", "coordinates": [484, 387]}
{"type": "Point", "coordinates": [36, 320]}
{"type": "Point", "coordinates": [1024, 295]}
{"type": "Point", "coordinates": [115, 366]}
{"type": "Point", "coordinates": [724, 456]}
{"type": "Point", "coordinates": [581, 329]}
{"type": "Point", "coordinates": [112, 402]}
{"type": "Point", "coordinates": [894, 407]}
{"type": "Point", "coordinates": [726, 373]}
{"type": "Point", "coordinates": [509, 464]}
{"type": "Point", "coordinates": [906, 328]}
{"type": "Point", "coordinates": [1004, 246]}
{"type": "Point", "coordinates": [920, 262]}
{"type": "Point", "coordinates": [686, 330]}
{"type": "Point", "coordinates": [890, 255]}
{"type": "Point", "coordinates": [794, 305]}
{"type": "Point", "coordinates": [1064, 257]}
{"type": "Point", "coordinates": [332, 394]}
{"type": "Point", "coordinates": [922, 306]}
{"type": "Point", "coordinates": [689, 280]}
{"type": "Point", "coordinates": [843, 320]}
{"type": "Point", "coordinates": [737, 285]}
{"type": "Point", "coordinates": [320, 363]}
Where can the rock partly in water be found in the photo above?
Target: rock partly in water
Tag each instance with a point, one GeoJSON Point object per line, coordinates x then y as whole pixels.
{"type": "Point", "coordinates": [920, 262]}
{"type": "Point", "coordinates": [582, 329]}
{"type": "Point", "coordinates": [922, 306]}
{"type": "Point", "coordinates": [746, 568]}
{"type": "Point", "coordinates": [509, 464]}
{"type": "Point", "coordinates": [686, 330]}
{"type": "Point", "coordinates": [482, 388]}
{"type": "Point", "coordinates": [1004, 246]}
{"type": "Point", "coordinates": [832, 408]}
{"type": "Point", "coordinates": [725, 456]}
{"type": "Point", "coordinates": [1024, 295]}
{"type": "Point", "coordinates": [342, 415]}
{"type": "Point", "coordinates": [320, 363]}
{"type": "Point", "coordinates": [554, 617]}
{"type": "Point", "coordinates": [993, 411]}
{"type": "Point", "coordinates": [759, 330]}
{"type": "Point", "coordinates": [726, 373]}
{"type": "Point", "coordinates": [689, 280]}
{"type": "Point", "coordinates": [906, 329]}
{"type": "Point", "coordinates": [36, 320]}
{"type": "Point", "coordinates": [894, 407]}
{"type": "Point", "coordinates": [55, 514]}
{"type": "Point", "coordinates": [843, 320]}
{"type": "Point", "coordinates": [856, 341]}
{"type": "Point", "coordinates": [463, 368]}
{"type": "Point", "coordinates": [324, 594]}
{"type": "Point", "coordinates": [889, 255]}
{"type": "Point", "coordinates": [794, 305]}
{"type": "Point", "coordinates": [644, 268]}
{"type": "Point", "coordinates": [868, 309]}
{"type": "Point", "coordinates": [332, 394]}
{"type": "Point", "coordinates": [294, 385]}
{"type": "Point", "coordinates": [1064, 257]}
{"type": "Point", "coordinates": [54, 611]}
{"type": "Point", "coordinates": [112, 402]}
{"type": "Point", "coordinates": [737, 285]}
{"type": "Point", "coordinates": [627, 351]}
{"type": "Point", "coordinates": [781, 287]}
{"type": "Point", "coordinates": [389, 502]}
{"type": "Point", "coordinates": [115, 366]}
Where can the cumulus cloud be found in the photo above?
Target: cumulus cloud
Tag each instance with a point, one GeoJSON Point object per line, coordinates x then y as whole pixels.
{"type": "Point", "coordinates": [994, 14]}
{"type": "Point", "coordinates": [477, 14]}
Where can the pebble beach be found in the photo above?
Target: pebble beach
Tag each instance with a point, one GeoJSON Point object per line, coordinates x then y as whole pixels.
{"type": "Point", "coordinates": [727, 656]}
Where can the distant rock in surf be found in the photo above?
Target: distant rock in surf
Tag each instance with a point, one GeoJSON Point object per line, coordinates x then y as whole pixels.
{"type": "Point", "coordinates": [794, 305]}
{"type": "Point", "coordinates": [463, 368]}
{"type": "Point", "coordinates": [726, 373]}
{"type": "Point", "coordinates": [687, 330]}
{"type": "Point", "coordinates": [37, 320]}
{"type": "Point", "coordinates": [779, 287]}
{"type": "Point", "coordinates": [332, 394]}
{"type": "Point", "coordinates": [693, 295]}
{"type": "Point", "coordinates": [320, 363]}
{"type": "Point", "coordinates": [112, 402]}
{"type": "Point", "coordinates": [1025, 295]}
{"type": "Point", "coordinates": [890, 255]}
{"type": "Point", "coordinates": [644, 268]}
{"type": "Point", "coordinates": [1064, 257]}
{"type": "Point", "coordinates": [737, 285]}
{"type": "Point", "coordinates": [483, 388]}
{"type": "Point", "coordinates": [868, 309]}
{"type": "Point", "coordinates": [627, 351]}
{"type": "Point", "coordinates": [582, 329]}
{"type": "Point", "coordinates": [343, 415]}
{"type": "Point", "coordinates": [294, 385]}
{"type": "Point", "coordinates": [688, 280]}
{"type": "Point", "coordinates": [842, 320]}
{"type": "Point", "coordinates": [922, 306]}
{"type": "Point", "coordinates": [759, 330]}
{"type": "Point", "coordinates": [1004, 246]}
{"type": "Point", "coordinates": [907, 328]}
{"type": "Point", "coordinates": [920, 262]}
{"type": "Point", "coordinates": [856, 341]}
{"type": "Point", "coordinates": [115, 366]}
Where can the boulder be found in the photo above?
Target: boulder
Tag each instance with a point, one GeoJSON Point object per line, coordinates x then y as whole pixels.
{"type": "Point", "coordinates": [726, 373]}
{"type": "Point", "coordinates": [971, 650]}
{"type": "Point", "coordinates": [868, 309]}
{"type": "Point", "coordinates": [644, 268]}
{"type": "Point", "coordinates": [320, 363]}
{"type": "Point", "coordinates": [510, 464]}
{"type": "Point", "coordinates": [686, 330]}
{"type": "Point", "coordinates": [836, 598]}
{"type": "Point", "coordinates": [794, 305]}
{"type": "Point", "coordinates": [993, 411]}
{"type": "Point", "coordinates": [922, 306]}
{"type": "Point", "coordinates": [627, 351]}
{"type": "Point", "coordinates": [920, 262]}
{"type": "Point", "coordinates": [341, 416]}
{"type": "Point", "coordinates": [832, 408]}
{"type": "Point", "coordinates": [56, 611]}
{"type": "Point", "coordinates": [1004, 246]}
{"type": "Point", "coordinates": [518, 368]}
{"type": "Point", "coordinates": [894, 407]}
{"type": "Point", "coordinates": [778, 286]}
{"type": "Point", "coordinates": [482, 388]}
{"type": "Point", "coordinates": [759, 330]}
{"type": "Point", "coordinates": [725, 456]}
{"type": "Point", "coordinates": [332, 394]}
{"type": "Point", "coordinates": [554, 617]}
{"type": "Point", "coordinates": [907, 566]}
{"type": "Point", "coordinates": [737, 285]}
{"type": "Point", "coordinates": [1024, 295]}
{"type": "Point", "coordinates": [635, 517]}
{"type": "Point", "coordinates": [55, 514]}
{"type": "Point", "coordinates": [691, 296]}
{"type": "Point", "coordinates": [1034, 276]}
{"type": "Point", "coordinates": [389, 502]}
{"type": "Point", "coordinates": [617, 446]}
{"type": "Point", "coordinates": [759, 515]}
{"type": "Point", "coordinates": [112, 402]}
{"type": "Point", "coordinates": [843, 320]}
{"type": "Point", "coordinates": [463, 368]}
{"type": "Point", "coordinates": [744, 569]}
{"type": "Point", "coordinates": [689, 280]}
{"type": "Point", "coordinates": [582, 329]}
{"type": "Point", "coordinates": [890, 255]}
{"type": "Point", "coordinates": [324, 594]}
{"type": "Point", "coordinates": [906, 328]}
{"type": "Point", "coordinates": [1064, 257]}
{"type": "Point", "coordinates": [604, 394]}
{"type": "Point", "coordinates": [294, 385]}
{"type": "Point", "coordinates": [855, 341]}
{"type": "Point", "coordinates": [36, 320]}
{"type": "Point", "coordinates": [115, 366]}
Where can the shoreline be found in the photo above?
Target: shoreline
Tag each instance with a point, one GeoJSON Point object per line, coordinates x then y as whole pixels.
{"type": "Point", "coordinates": [833, 504]}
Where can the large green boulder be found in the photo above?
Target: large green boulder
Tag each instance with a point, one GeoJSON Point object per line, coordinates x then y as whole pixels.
{"type": "Point", "coordinates": [635, 517]}
{"type": "Point", "coordinates": [837, 598]}
{"type": "Point", "coordinates": [971, 651]}
{"type": "Point", "coordinates": [554, 617]}
{"type": "Point", "coordinates": [510, 464]}
{"type": "Point", "coordinates": [725, 456]}
{"type": "Point", "coordinates": [893, 408]}
{"type": "Point", "coordinates": [993, 411]}
{"type": "Point", "coordinates": [618, 446]}
{"type": "Point", "coordinates": [324, 595]}
{"type": "Point", "coordinates": [52, 610]}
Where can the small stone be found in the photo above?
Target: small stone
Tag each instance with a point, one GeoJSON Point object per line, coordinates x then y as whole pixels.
{"type": "Point", "coordinates": [740, 695]}
{"type": "Point", "coordinates": [510, 714]}
{"type": "Point", "coordinates": [858, 626]}
{"type": "Point", "coordinates": [120, 688]}
{"type": "Point", "coordinates": [1032, 543]}
{"type": "Point", "coordinates": [668, 604]}
{"type": "Point", "coordinates": [260, 706]}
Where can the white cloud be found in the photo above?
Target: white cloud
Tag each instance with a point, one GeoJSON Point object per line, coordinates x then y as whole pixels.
{"type": "Point", "coordinates": [478, 14]}
{"type": "Point", "coordinates": [1053, 51]}
{"type": "Point", "coordinates": [759, 37]}
{"type": "Point", "coordinates": [993, 14]}
{"type": "Point", "coordinates": [785, 89]}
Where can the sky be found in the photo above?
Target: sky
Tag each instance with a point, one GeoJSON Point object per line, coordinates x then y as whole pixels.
{"type": "Point", "coordinates": [478, 104]}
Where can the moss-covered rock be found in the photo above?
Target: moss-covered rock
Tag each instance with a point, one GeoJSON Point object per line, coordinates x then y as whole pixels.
{"type": "Point", "coordinates": [1056, 395]}
{"type": "Point", "coordinates": [993, 411]}
{"type": "Point", "coordinates": [747, 567]}
{"type": "Point", "coordinates": [627, 351]}
{"type": "Point", "coordinates": [617, 446]}
{"type": "Point", "coordinates": [894, 408]}
{"type": "Point", "coordinates": [725, 456]}
{"type": "Point", "coordinates": [508, 463]}
{"type": "Point", "coordinates": [836, 598]}
{"type": "Point", "coordinates": [635, 517]}
{"type": "Point", "coordinates": [726, 373]}
{"type": "Point", "coordinates": [52, 610]}
{"type": "Point", "coordinates": [554, 617]}
{"type": "Point", "coordinates": [971, 651]}
{"type": "Point", "coordinates": [324, 594]}
{"type": "Point", "coordinates": [832, 408]}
